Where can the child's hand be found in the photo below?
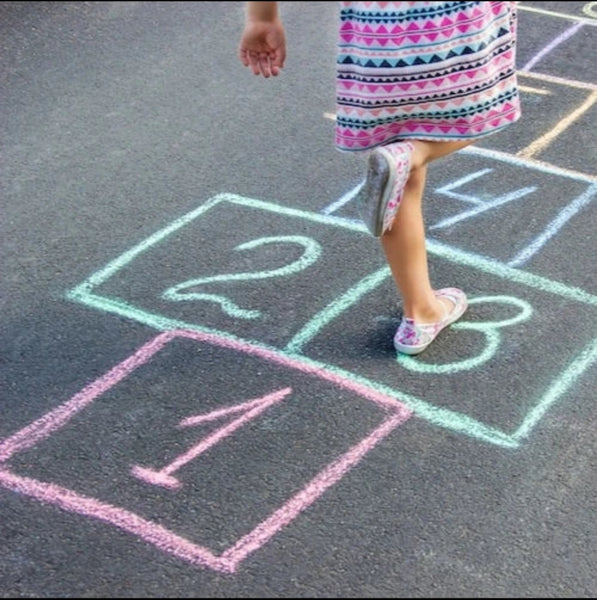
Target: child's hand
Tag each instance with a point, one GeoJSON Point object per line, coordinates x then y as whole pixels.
{"type": "Point", "coordinates": [263, 47]}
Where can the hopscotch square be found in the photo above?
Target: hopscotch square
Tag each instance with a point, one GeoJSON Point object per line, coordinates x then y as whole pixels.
{"type": "Point", "coordinates": [251, 282]}
{"type": "Point", "coordinates": [513, 210]}
{"type": "Point", "coordinates": [33, 450]}
{"type": "Point", "coordinates": [519, 212]}
{"type": "Point", "coordinates": [490, 382]}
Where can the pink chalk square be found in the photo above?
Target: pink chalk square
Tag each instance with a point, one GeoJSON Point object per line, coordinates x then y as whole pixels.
{"type": "Point", "coordinates": [229, 420]}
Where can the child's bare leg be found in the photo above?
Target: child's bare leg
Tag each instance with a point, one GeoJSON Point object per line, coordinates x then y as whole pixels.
{"type": "Point", "coordinates": [404, 244]}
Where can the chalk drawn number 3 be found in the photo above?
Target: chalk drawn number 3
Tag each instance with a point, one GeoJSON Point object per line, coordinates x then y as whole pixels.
{"type": "Point", "coordinates": [489, 328]}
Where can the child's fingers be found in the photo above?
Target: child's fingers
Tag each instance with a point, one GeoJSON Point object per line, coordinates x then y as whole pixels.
{"type": "Point", "coordinates": [250, 59]}
{"type": "Point", "coordinates": [253, 62]}
{"type": "Point", "coordinates": [244, 57]}
{"type": "Point", "coordinates": [278, 58]}
{"type": "Point", "coordinates": [272, 63]}
{"type": "Point", "coordinates": [265, 65]}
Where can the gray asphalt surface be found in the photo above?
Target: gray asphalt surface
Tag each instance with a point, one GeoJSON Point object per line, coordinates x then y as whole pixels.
{"type": "Point", "coordinates": [198, 388]}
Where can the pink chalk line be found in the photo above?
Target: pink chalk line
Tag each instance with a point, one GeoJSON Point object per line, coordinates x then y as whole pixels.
{"type": "Point", "coordinates": [53, 420]}
{"type": "Point", "coordinates": [123, 519]}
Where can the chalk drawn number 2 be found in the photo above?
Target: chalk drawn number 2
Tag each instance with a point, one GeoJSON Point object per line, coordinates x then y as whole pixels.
{"type": "Point", "coordinates": [311, 252]}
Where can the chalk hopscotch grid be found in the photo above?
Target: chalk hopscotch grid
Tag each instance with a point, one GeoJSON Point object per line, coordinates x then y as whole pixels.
{"type": "Point", "coordinates": [394, 414]}
{"type": "Point", "coordinates": [172, 329]}
{"type": "Point", "coordinates": [511, 271]}
{"type": "Point", "coordinates": [462, 423]}
{"type": "Point", "coordinates": [231, 558]}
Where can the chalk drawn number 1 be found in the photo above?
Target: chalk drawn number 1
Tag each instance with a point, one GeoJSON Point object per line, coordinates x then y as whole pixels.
{"type": "Point", "coordinates": [311, 253]}
{"type": "Point", "coordinates": [248, 410]}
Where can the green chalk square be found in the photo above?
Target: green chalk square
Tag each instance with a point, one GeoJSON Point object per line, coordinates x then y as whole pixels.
{"type": "Point", "coordinates": [522, 344]}
{"type": "Point", "coordinates": [338, 310]}
{"type": "Point", "coordinates": [251, 268]}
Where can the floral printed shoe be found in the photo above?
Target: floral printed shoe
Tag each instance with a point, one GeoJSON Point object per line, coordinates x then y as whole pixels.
{"type": "Point", "coordinates": [381, 193]}
{"type": "Point", "coordinates": [413, 338]}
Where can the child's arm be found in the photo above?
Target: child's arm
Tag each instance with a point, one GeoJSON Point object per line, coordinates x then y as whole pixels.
{"type": "Point", "coordinates": [263, 41]}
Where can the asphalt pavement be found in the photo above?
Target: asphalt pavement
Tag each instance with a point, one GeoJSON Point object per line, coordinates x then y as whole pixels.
{"type": "Point", "coordinates": [199, 392]}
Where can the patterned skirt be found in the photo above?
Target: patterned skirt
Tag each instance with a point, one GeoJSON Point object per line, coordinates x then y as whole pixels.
{"type": "Point", "coordinates": [424, 70]}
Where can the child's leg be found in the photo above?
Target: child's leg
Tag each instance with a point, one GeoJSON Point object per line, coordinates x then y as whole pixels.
{"type": "Point", "coordinates": [404, 243]}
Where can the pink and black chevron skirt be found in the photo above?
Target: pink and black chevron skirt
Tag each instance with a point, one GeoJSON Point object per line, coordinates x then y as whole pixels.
{"type": "Point", "coordinates": [424, 70]}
